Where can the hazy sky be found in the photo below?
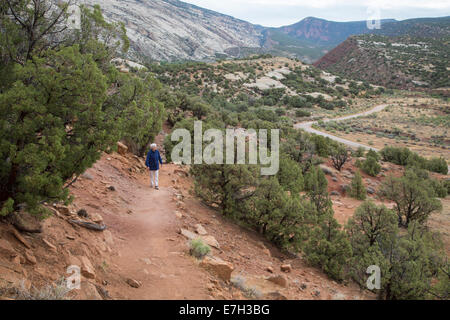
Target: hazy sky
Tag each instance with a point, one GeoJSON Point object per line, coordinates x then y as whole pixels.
{"type": "Point", "coordinates": [274, 13]}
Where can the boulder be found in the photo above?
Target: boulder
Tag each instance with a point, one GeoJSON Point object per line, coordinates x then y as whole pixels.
{"type": "Point", "coordinates": [25, 222]}
{"type": "Point", "coordinates": [188, 234]}
{"type": "Point", "coordinates": [50, 245]}
{"type": "Point", "coordinates": [87, 269]}
{"type": "Point", "coordinates": [96, 217]}
{"type": "Point", "coordinates": [279, 280]}
{"type": "Point", "coordinates": [122, 148]}
{"type": "Point", "coordinates": [124, 70]}
{"type": "Point", "coordinates": [328, 170]}
{"type": "Point", "coordinates": [179, 196]}
{"type": "Point", "coordinates": [200, 230]}
{"type": "Point", "coordinates": [90, 291]}
{"type": "Point", "coordinates": [286, 268]}
{"type": "Point", "coordinates": [219, 267]}
{"type": "Point", "coordinates": [178, 214]}
{"type": "Point", "coordinates": [18, 259]}
{"type": "Point", "coordinates": [21, 239]}
{"type": "Point", "coordinates": [211, 241]}
{"type": "Point", "coordinates": [30, 258]}
{"type": "Point", "coordinates": [134, 283]}
{"type": "Point", "coordinates": [87, 176]}
{"type": "Point", "coordinates": [65, 210]}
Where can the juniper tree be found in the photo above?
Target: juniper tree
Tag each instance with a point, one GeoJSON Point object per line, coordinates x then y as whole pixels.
{"type": "Point", "coordinates": [408, 261]}
{"type": "Point", "coordinates": [52, 126]}
{"type": "Point", "coordinates": [290, 175]}
{"type": "Point", "coordinates": [290, 228]}
{"type": "Point", "coordinates": [339, 156]}
{"type": "Point", "coordinates": [61, 107]}
{"type": "Point", "coordinates": [316, 186]}
{"type": "Point", "coordinates": [357, 189]}
{"type": "Point", "coordinates": [328, 247]}
{"type": "Point", "coordinates": [29, 27]}
{"type": "Point", "coordinates": [100, 38]}
{"type": "Point", "coordinates": [413, 196]}
{"type": "Point", "coordinates": [412, 260]}
{"type": "Point", "coordinates": [134, 109]}
{"type": "Point", "coordinates": [267, 204]}
{"type": "Point", "coordinates": [225, 185]}
{"type": "Point", "coordinates": [370, 223]}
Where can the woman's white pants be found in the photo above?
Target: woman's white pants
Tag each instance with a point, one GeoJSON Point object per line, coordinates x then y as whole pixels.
{"type": "Point", "coordinates": [154, 177]}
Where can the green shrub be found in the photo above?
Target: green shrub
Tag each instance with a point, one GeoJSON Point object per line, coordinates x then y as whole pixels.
{"type": "Point", "coordinates": [199, 249]}
{"type": "Point", "coordinates": [360, 152]}
{"type": "Point", "coordinates": [373, 154]}
{"type": "Point", "coordinates": [405, 157]}
{"type": "Point", "coordinates": [439, 187]}
{"type": "Point", "coordinates": [446, 184]}
{"type": "Point", "coordinates": [371, 167]}
{"type": "Point", "coordinates": [396, 155]}
{"type": "Point", "coordinates": [438, 165]}
{"type": "Point", "coordinates": [302, 113]}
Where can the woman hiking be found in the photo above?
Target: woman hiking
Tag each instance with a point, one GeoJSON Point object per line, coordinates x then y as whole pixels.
{"type": "Point", "coordinates": [152, 163]}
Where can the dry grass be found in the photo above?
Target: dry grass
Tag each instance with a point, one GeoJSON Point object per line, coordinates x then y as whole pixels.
{"type": "Point", "coordinates": [56, 291]}
{"type": "Point", "coordinates": [412, 118]}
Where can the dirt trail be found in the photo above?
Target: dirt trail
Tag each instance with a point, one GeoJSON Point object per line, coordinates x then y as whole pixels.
{"type": "Point", "coordinates": [147, 247]}
{"type": "Point", "coordinates": [150, 253]}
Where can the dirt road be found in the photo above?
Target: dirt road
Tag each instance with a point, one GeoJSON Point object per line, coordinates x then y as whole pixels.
{"type": "Point", "coordinates": [307, 126]}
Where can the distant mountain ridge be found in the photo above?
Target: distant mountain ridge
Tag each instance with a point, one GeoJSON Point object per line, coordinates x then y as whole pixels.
{"type": "Point", "coordinates": [172, 30]}
{"type": "Point", "coordinates": [412, 54]}
{"type": "Point", "coordinates": [311, 38]}
{"type": "Point", "coordinates": [324, 32]}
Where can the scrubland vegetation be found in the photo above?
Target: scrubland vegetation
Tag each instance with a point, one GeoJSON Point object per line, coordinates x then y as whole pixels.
{"type": "Point", "coordinates": [62, 103]}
